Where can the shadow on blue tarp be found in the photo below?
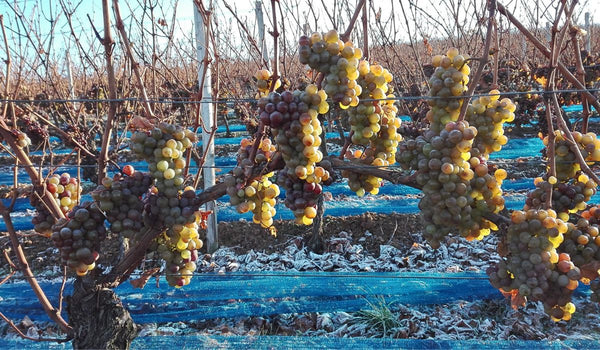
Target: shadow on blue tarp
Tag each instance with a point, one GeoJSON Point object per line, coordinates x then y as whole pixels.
{"type": "Point", "coordinates": [299, 342]}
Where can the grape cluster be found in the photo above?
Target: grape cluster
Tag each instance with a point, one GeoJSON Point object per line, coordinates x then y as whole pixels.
{"type": "Point", "coordinates": [448, 81]}
{"type": "Point", "coordinates": [532, 268]}
{"type": "Point", "coordinates": [486, 191]}
{"type": "Point", "coordinates": [164, 148]}
{"type": "Point", "coordinates": [35, 131]}
{"type": "Point", "coordinates": [178, 247]}
{"type": "Point", "coordinates": [257, 196]}
{"type": "Point", "coordinates": [338, 61]}
{"type": "Point", "coordinates": [451, 158]}
{"type": "Point", "coordinates": [22, 139]}
{"type": "Point", "coordinates": [78, 237]}
{"type": "Point", "coordinates": [445, 175]}
{"type": "Point", "coordinates": [294, 122]}
{"type": "Point", "coordinates": [566, 161]}
{"type": "Point", "coordinates": [300, 196]}
{"type": "Point", "coordinates": [582, 243]}
{"type": "Point", "coordinates": [567, 197]}
{"type": "Point", "coordinates": [264, 81]}
{"type": "Point", "coordinates": [120, 198]}
{"type": "Point", "coordinates": [488, 115]}
{"type": "Point", "coordinates": [66, 192]}
{"type": "Point", "coordinates": [374, 124]}
{"type": "Point", "coordinates": [169, 202]}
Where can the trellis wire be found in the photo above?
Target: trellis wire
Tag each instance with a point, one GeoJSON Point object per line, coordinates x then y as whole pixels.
{"type": "Point", "coordinates": [349, 166]}
{"type": "Point", "coordinates": [276, 273]}
{"type": "Point", "coordinates": [234, 100]}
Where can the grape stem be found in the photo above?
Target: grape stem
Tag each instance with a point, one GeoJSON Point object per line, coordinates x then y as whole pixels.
{"type": "Point", "coordinates": [357, 11]}
{"type": "Point", "coordinates": [482, 61]}
{"type": "Point", "coordinates": [347, 144]}
{"type": "Point", "coordinates": [134, 65]}
{"type": "Point", "coordinates": [275, 34]}
{"type": "Point", "coordinates": [108, 44]}
{"type": "Point", "coordinates": [581, 75]}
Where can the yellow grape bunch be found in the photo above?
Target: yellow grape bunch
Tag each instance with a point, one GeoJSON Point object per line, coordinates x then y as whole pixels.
{"type": "Point", "coordinates": [264, 82]}
{"type": "Point", "coordinates": [449, 81]}
{"type": "Point", "coordinates": [66, 191]}
{"type": "Point", "coordinates": [373, 124]}
{"type": "Point", "coordinates": [567, 165]}
{"type": "Point", "coordinates": [256, 196]}
{"type": "Point", "coordinates": [532, 266]}
{"type": "Point", "coordinates": [338, 61]}
{"type": "Point", "coordinates": [451, 158]}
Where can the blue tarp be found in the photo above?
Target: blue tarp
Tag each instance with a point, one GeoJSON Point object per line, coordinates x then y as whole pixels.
{"type": "Point", "coordinates": [269, 342]}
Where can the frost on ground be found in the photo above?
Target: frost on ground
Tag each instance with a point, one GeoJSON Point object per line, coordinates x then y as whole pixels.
{"type": "Point", "coordinates": [491, 319]}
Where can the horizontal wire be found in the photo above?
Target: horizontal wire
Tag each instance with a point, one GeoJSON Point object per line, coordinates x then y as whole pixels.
{"type": "Point", "coordinates": [229, 100]}
{"type": "Point", "coordinates": [284, 274]}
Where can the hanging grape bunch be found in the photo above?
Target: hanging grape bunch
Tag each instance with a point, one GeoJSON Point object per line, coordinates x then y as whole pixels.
{"type": "Point", "coordinates": [373, 124]}
{"type": "Point", "coordinates": [293, 119]}
{"type": "Point", "coordinates": [78, 237]}
{"type": "Point", "coordinates": [450, 159]}
{"type": "Point", "coordinates": [66, 192]}
{"type": "Point", "coordinates": [169, 202]}
{"type": "Point", "coordinates": [338, 61]}
{"type": "Point", "coordinates": [120, 198]}
{"type": "Point", "coordinates": [264, 82]}
{"type": "Point", "coordinates": [567, 197]}
{"type": "Point", "coordinates": [532, 267]}
{"type": "Point", "coordinates": [257, 196]}
{"type": "Point", "coordinates": [566, 161]}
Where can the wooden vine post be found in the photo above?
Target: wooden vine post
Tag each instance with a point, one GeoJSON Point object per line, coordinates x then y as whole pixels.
{"type": "Point", "coordinates": [206, 111]}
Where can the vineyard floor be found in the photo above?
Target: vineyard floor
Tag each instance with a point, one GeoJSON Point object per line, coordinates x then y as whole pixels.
{"type": "Point", "coordinates": [365, 243]}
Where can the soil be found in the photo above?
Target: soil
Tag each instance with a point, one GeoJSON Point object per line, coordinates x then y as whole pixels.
{"type": "Point", "coordinates": [241, 236]}
{"type": "Point", "coordinates": [392, 229]}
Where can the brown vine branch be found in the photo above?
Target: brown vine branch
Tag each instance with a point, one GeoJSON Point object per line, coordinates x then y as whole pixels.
{"type": "Point", "coordinates": [23, 266]}
{"type": "Point", "coordinates": [108, 43]}
{"type": "Point", "coordinates": [134, 65]}
{"type": "Point", "coordinates": [25, 336]}
{"type": "Point", "coordinates": [581, 75]}
{"type": "Point", "coordinates": [482, 61]}
{"type": "Point", "coordinates": [357, 11]}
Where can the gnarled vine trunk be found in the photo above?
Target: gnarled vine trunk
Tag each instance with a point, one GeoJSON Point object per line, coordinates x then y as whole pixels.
{"type": "Point", "coordinates": [98, 318]}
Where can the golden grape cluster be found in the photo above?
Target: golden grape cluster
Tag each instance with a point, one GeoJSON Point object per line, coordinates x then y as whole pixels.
{"type": "Point", "coordinates": [264, 82]}
{"type": "Point", "coordinates": [567, 197]}
{"type": "Point", "coordinates": [294, 122]}
{"type": "Point", "coordinates": [460, 187]}
{"type": "Point", "coordinates": [66, 191]}
{"type": "Point", "coordinates": [567, 165]}
{"type": "Point", "coordinates": [257, 196]}
{"type": "Point", "coordinates": [531, 266]}
{"type": "Point", "coordinates": [373, 124]}
{"type": "Point", "coordinates": [338, 61]}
